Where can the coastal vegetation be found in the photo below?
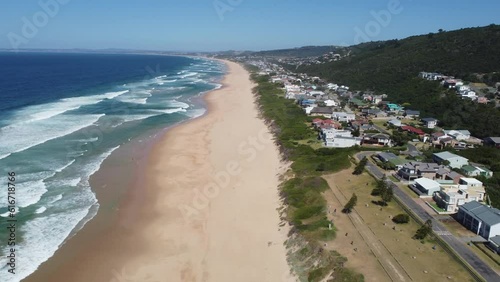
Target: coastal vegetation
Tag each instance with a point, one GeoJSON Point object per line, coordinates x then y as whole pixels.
{"type": "Point", "coordinates": [305, 206]}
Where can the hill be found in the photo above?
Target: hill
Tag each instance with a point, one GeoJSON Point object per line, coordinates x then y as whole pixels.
{"type": "Point", "coordinates": [302, 52]}
{"type": "Point", "coordinates": [392, 67]}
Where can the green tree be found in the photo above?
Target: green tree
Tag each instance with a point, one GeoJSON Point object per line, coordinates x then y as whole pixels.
{"type": "Point", "coordinates": [360, 166]}
{"type": "Point", "coordinates": [424, 230]}
{"type": "Point", "coordinates": [387, 196]}
{"type": "Point", "coordinates": [351, 204]}
{"type": "Point", "coordinates": [401, 218]}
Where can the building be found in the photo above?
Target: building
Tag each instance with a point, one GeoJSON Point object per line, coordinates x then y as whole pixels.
{"type": "Point", "coordinates": [473, 171]}
{"type": "Point", "coordinates": [412, 129]}
{"type": "Point", "coordinates": [342, 142]}
{"type": "Point", "coordinates": [458, 135]}
{"type": "Point", "coordinates": [426, 186]}
{"type": "Point", "coordinates": [343, 116]}
{"type": "Point", "coordinates": [430, 122]}
{"type": "Point", "coordinates": [494, 244]}
{"type": "Point", "coordinates": [492, 141]}
{"type": "Point", "coordinates": [450, 197]}
{"type": "Point", "coordinates": [395, 122]}
{"type": "Point", "coordinates": [321, 111]}
{"type": "Point", "coordinates": [377, 139]}
{"type": "Point", "coordinates": [412, 114]}
{"type": "Point", "coordinates": [454, 161]}
{"type": "Point", "coordinates": [413, 170]}
{"type": "Point", "coordinates": [480, 219]}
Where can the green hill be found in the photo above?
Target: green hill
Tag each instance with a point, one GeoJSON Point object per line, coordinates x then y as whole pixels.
{"type": "Point", "coordinates": [302, 52]}
{"type": "Point", "coordinates": [392, 67]}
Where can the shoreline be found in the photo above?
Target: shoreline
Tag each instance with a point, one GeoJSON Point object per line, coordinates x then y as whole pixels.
{"type": "Point", "coordinates": [134, 220]}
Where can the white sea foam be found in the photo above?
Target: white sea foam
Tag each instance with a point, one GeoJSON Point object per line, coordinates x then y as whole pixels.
{"type": "Point", "coordinates": [4, 156]}
{"type": "Point", "coordinates": [6, 214]}
{"type": "Point", "coordinates": [195, 113]}
{"type": "Point", "coordinates": [171, 111]}
{"type": "Point", "coordinates": [56, 198]}
{"type": "Point", "coordinates": [65, 166]}
{"type": "Point", "coordinates": [175, 103]}
{"type": "Point", "coordinates": [19, 137]}
{"type": "Point", "coordinates": [46, 111]}
{"type": "Point", "coordinates": [40, 210]}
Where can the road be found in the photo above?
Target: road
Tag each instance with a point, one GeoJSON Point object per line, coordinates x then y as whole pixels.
{"type": "Point", "coordinates": [460, 248]}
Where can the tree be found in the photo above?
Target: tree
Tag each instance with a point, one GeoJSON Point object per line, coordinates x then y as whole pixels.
{"type": "Point", "coordinates": [351, 204]}
{"type": "Point", "coordinates": [360, 166]}
{"type": "Point", "coordinates": [387, 195]}
{"type": "Point", "coordinates": [401, 218]}
{"type": "Point", "coordinates": [424, 230]}
{"type": "Point", "coordinates": [356, 132]}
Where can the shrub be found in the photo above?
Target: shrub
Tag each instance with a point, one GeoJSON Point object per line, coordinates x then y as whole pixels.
{"type": "Point", "coordinates": [401, 218]}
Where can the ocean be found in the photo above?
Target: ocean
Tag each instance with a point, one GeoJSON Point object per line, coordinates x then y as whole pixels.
{"type": "Point", "coordinates": [61, 116]}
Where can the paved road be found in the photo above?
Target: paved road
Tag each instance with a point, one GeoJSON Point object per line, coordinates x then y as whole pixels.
{"type": "Point", "coordinates": [463, 250]}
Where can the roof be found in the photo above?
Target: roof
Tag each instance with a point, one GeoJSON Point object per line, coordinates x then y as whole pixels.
{"type": "Point", "coordinates": [429, 119]}
{"type": "Point", "coordinates": [412, 112]}
{"type": "Point", "coordinates": [387, 155]}
{"type": "Point", "coordinates": [471, 180]}
{"type": "Point", "coordinates": [468, 168]}
{"type": "Point", "coordinates": [322, 110]}
{"type": "Point", "coordinates": [490, 216]}
{"type": "Point", "coordinates": [447, 155]}
{"type": "Point", "coordinates": [412, 129]}
{"type": "Point", "coordinates": [426, 183]}
{"type": "Point", "coordinates": [495, 240]}
{"type": "Point", "coordinates": [495, 140]}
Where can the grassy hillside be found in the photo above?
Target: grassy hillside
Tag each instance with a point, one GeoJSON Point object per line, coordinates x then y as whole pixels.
{"type": "Point", "coordinates": [392, 67]}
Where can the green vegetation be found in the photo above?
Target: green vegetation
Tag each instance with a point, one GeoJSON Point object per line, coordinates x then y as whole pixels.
{"type": "Point", "coordinates": [490, 157]}
{"type": "Point", "coordinates": [350, 204]}
{"type": "Point", "coordinates": [306, 207]}
{"type": "Point", "coordinates": [384, 191]}
{"type": "Point", "coordinates": [401, 218]}
{"type": "Point", "coordinates": [360, 167]}
{"type": "Point", "coordinates": [392, 67]}
{"type": "Point", "coordinates": [424, 230]}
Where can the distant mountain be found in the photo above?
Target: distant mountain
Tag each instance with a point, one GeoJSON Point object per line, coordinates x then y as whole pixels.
{"type": "Point", "coordinates": [302, 52]}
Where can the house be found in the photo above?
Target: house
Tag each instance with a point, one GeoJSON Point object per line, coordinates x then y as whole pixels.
{"type": "Point", "coordinates": [454, 161]}
{"type": "Point", "coordinates": [395, 122]}
{"type": "Point", "coordinates": [430, 122]}
{"type": "Point", "coordinates": [458, 135]}
{"type": "Point", "coordinates": [316, 93]}
{"type": "Point", "coordinates": [473, 171]}
{"type": "Point", "coordinates": [492, 141]}
{"type": "Point", "coordinates": [377, 139]}
{"type": "Point", "coordinates": [321, 111]}
{"type": "Point", "coordinates": [373, 112]}
{"type": "Point", "coordinates": [413, 170]}
{"type": "Point", "coordinates": [412, 114]}
{"type": "Point", "coordinates": [330, 103]}
{"type": "Point", "coordinates": [426, 186]}
{"type": "Point", "coordinates": [480, 219]}
{"type": "Point", "coordinates": [343, 142]}
{"type": "Point", "coordinates": [394, 107]}
{"type": "Point", "coordinates": [386, 156]}
{"type": "Point", "coordinates": [412, 129]}
{"type": "Point", "coordinates": [343, 117]}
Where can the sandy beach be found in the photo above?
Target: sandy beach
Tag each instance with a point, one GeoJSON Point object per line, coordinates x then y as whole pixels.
{"type": "Point", "coordinates": [203, 207]}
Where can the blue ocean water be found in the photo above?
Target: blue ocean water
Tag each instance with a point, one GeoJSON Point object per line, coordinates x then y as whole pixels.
{"type": "Point", "coordinates": [61, 115]}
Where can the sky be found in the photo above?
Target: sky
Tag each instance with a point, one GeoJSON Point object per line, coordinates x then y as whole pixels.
{"type": "Point", "coordinates": [217, 25]}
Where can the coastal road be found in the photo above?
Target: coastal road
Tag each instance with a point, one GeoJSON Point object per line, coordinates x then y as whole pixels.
{"type": "Point", "coordinates": [439, 229]}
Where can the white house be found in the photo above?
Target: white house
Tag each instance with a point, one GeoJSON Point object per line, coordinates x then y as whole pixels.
{"type": "Point", "coordinates": [430, 122]}
{"type": "Point", "coordinates": [480, 219]}
{"type": "Point", "coordinates": [455, 161]}
{"type": "Point", "coordinates": [330, 103]}
{"type": "Point", "coordinates": [342, 142]}
{"type": "Point", "coordinates": [458, 135]}
{"type": "Point", "coordinates": [427, 186]}
{"type": "Point", "coordinates": [395, 122]}
{"type": "Point", "coordinates": [450, 197]}
{"type": "Point", "coordinates": [343, 116]}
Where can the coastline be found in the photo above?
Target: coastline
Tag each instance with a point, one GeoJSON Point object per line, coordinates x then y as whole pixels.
{"type": "Point", "coordinates": [225, 229]}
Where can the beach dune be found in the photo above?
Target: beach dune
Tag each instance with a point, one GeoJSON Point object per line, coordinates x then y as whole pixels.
{"type": "Point", "coordinates": [206, 208]}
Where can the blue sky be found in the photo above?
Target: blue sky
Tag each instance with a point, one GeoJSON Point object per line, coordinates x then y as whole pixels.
{"type": "Point", "coordinates": [212, 25]}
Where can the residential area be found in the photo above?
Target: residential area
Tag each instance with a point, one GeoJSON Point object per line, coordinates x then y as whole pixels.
{"type": "Point", "coordinates": [448, 185]}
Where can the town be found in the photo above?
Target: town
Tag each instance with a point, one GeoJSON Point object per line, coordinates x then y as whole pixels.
{"type": "Point", "coordinates": [443, 184]}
